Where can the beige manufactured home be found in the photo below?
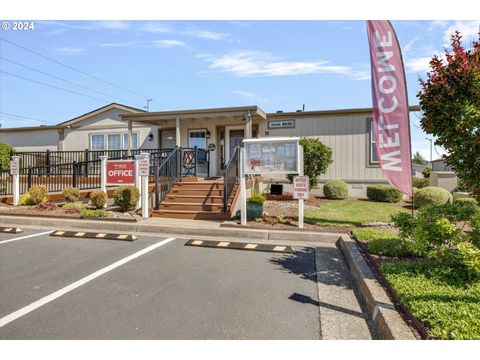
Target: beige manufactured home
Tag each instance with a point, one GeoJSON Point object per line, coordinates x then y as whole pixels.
{"type": "Point", "coordinates": [113, 127]}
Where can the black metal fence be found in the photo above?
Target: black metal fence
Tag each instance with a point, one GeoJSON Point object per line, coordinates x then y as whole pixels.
{"type": "Point", "coordinates": [48, 158]}
{"type": "Point", "coordinates": [196, 161]}
{"type": "Point", "coordinates": [166, 175]}
{"type": "Point", "coordinates": [5, 183]}
{"type": "Point", "coordinates": [230, 177]}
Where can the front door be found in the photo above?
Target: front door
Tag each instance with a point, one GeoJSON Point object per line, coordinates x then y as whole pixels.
{"type": "Point", "coordinates": [234, 136]}
{"type": "Point", "coordinates": [168, 139]}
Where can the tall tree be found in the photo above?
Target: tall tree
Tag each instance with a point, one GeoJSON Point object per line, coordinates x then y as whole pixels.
{"type": "Point", "coordinates": [418, 158]}
{"type": "Point", "coordinates": [450, 101]}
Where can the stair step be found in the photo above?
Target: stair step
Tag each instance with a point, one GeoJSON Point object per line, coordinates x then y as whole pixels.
{"type": "Point", "coordinates": [194, 215]}
{"type": "Point", "coordinates": [199, 192]}
{"type": "Point", "coordinates": [191, 206]}
{"type": "Point", "coordinates": [197, 199]}
{"type": "Point", "coordinates": [199, 186]}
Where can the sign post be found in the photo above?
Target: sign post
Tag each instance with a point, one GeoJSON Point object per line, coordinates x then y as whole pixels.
{"type": "Point", "coordinates": [243, 189]}
{"type": "Point", "coordinates": [103, 174]}
{"type": "Point", "coordinates": [138, 183]}
{"type": "Point", "coordinates": [14, 172]}
{"type": "Point", "coordinates": [301, 187]}
{"type": "Point", "coordinates": [144, 173]}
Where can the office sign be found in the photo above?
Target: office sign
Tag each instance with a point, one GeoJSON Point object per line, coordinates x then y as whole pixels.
{"type": "Point", "coordinates": [14, 166]}
{"type": "Point", "coordinates": [144, 166]}
{"type": "Point", "coordinates": [301, 187]}
{"type": "Point", "coordinates": [271, 156]}
{"type": "Point", "coordinates": [120, 172]}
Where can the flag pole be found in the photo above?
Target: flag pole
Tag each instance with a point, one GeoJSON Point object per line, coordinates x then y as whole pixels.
{"type": "Point", "coordinates": [408, 107]}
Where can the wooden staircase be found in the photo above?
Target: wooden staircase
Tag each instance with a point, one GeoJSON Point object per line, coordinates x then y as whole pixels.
{"type": "Point", "coordinates": [195, 198]}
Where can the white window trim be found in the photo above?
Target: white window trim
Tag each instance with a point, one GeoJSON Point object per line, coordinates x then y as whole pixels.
{"type": "Point", "coordinates": [124, 146]}
{"type": "Point", "coordinates": [371, 142]}
{"type": "Point", "coordinates": [281, 124]}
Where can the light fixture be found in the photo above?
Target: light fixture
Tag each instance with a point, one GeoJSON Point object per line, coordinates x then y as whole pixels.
{"type": "Point", "coordinates": [266, 133]}
{"type": "Point", "coordinates": [208, 135]}
{"type": "Point", "coordinates": [150, 137]}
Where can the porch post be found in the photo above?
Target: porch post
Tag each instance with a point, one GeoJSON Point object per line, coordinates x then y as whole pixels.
{"type": "Point", "coordinates": [248, 125]}
{"type": "Point", "coordinates": [130, 126]}
{"type": "Point", "coordinates": [177, 132]}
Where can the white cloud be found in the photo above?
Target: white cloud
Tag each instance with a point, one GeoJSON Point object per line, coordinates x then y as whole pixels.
{"type": "Point", "coordinates": [251, 97]}
{"type": "Point", "coordinates": [421, 64]}
{"type": "Point", "coordinates": [168, 43]}
{"type": "Point", "coordinates": [69, 50]}
{"type": "Point", "coordinates": [113, 24]}
{"type": "Point", "coordinates": [210, 35]}
{"type": "Point", "coordinates": [256, 63]}
{"type": "Point", "coordinates": [468, 29]}
{"type": "Point", "coordinates": [157, 27]}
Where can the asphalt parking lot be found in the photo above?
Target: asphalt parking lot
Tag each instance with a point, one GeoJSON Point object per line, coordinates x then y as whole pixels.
{"type": "Point", "coordinates": [157, 288]}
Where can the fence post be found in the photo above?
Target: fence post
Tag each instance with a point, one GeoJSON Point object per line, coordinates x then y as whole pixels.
{"type": "Point", "coordinates": [87, 159]}
{"type": "Point", "coordinates": [47, 161]}
{"type": "Point", "coordinates": [29, 178]}
{"type": "Point", "coordinates": [74, 174]}
{"type": "Point", "coordinates": [103, 174]}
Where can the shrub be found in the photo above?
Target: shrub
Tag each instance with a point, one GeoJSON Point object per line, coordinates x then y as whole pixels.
{"type": "Point", "coordinates": [26, 199]}
{"type": "Point", "coordinates": [69, 206]}
{"type": "Point", "coordinates": [71, 194]}
{"type": "Point", "coordinates": [317, 157]}
{"type": "Point", "coordinates": [384, 193]}
{"type": "Point", "coordinates": [98, 198]}
{"type": "Point", "coordinates": [437, 232]}
{"type": "Point", "coordinates": [126, 197]}
{"type": "Point", "coordinates": [335, 189]}
{"type": "Point", "coordinates": [390, 247]}
{"type": "Point", "coordinates": [419, 182]}
{"type": "Point", "coordinates": [431, 195]}
{"type": "Point", "coordinates": [466, 200]}
{"type": "Point", "coordinates": [38, 193]}
{"type": "Point", "coordinates": [426, 172]}
{"type": "Point", "coordinates": [257, 198]}
{"type": "Point", "coordinates": [6, 152]}
{"type": "Point", "coordinates": [86, 213]}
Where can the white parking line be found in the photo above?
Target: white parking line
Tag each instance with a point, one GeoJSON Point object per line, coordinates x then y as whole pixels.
{"type": "Point", "coordinates": [25, 237]}
{"type": "Point", "coordinates": [45, 300]}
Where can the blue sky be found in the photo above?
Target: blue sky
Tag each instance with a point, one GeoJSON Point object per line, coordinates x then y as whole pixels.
{"type": "Point", "coordinates": [278, 65]}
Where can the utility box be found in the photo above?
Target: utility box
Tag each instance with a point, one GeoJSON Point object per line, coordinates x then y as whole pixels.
{"type": "Point", "coordinates": [276, 189]}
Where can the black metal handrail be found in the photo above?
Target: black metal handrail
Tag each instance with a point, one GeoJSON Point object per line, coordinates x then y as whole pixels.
{"type": "Point", "coordinates": [192, 158]}
{"type": "Point", "coordinates": [167, 174]}
{"type": "Point", "coordinates": [230, 177]}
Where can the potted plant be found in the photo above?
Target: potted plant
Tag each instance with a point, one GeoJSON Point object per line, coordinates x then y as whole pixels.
{"type": "Point", "coordinates": [255, 205]}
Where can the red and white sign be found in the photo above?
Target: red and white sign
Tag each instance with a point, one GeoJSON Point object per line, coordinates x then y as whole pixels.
{"type": "Point", "coordinates": [301, 187]}
{"type": "Point", "coordinates": [390, 106]}
{"type": "Point", "coordinates": [144, 166]}
{"type": "Point", "coordinates": [120, 172]}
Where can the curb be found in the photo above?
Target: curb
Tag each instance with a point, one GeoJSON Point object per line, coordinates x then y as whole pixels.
{"type": "Point", "coordinates": [133, 227]}
{"type": "Point", "coordinates": [241, 246]}
{"type": "Point", "coordinates": [387, 320]}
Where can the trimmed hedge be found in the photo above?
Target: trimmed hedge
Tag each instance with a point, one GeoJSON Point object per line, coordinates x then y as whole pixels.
{"type": "Point", "coordinates": [431, 195]}
{"type": "Point", "coordinates": [38, 193]}
{"type": "Point", "coordinates": [419, 182]}
{"type": "Point", "coordinates": [71, 194]}
{"type": "Point", "coordinates": [126, 197]}
{"type": "Point", "coordinates": [466, 200]}
{"type": "Point", "coordinates": [98, 198]}
{"type": "Point", "coordinates": [335, 189]}
{"type": "Point", "coordinates": [384, 193]}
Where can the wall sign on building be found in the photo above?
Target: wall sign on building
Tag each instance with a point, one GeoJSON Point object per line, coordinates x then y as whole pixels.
{"type": "Point", "coordinates": [120, 172]}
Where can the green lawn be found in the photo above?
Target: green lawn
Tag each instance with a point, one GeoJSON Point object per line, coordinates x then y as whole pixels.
{"type": "Point", "coordinates": [351, 212]}
{"type": "Point", "coordinates": [441, 297]}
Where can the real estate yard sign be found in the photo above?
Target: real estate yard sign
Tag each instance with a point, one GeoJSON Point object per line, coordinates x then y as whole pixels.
{"type": "Point", "coordinates": [120, 172]}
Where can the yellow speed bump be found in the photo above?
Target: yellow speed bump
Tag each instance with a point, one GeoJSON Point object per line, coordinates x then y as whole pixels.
{"type": "Point", "coordinates": [94, 235]}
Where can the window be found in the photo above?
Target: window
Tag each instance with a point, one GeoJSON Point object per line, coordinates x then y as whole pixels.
{"type": "Point", "coordinates": [114, 142]}
{"type": "Point", "coordinates": [281, 124]}
{"type": "Point", "coordinates": [97, 142]}
{"type": "Point", "coordinates": [197, 138]}
{"type": "Point", "coordinates": [373, 150]}
{"type": "Point", "coordinates": [134, 141]}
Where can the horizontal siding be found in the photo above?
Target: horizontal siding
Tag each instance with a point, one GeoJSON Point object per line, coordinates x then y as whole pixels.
{"type": "Point", "coordinates": [35, 140]}
{"type": "Point", "coordinates": [348, 138]}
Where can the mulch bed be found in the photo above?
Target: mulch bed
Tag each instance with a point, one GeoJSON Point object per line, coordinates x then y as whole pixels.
{"type": "Point", "coordinates": [293, 226]}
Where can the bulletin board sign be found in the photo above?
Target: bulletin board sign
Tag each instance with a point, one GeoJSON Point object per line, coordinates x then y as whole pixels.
{"type": "Point", "coordinates": [271, 156]}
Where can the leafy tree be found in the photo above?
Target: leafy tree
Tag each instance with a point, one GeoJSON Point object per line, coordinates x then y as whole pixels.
{"type": "Point", "coordinates": [450, 101]}
{"type": "Point", "coordinates": [418, 159]}
{"type": "Point", "coordinates": [317, 157]}
{"type": "Point", "coordinates": [6, 151]}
